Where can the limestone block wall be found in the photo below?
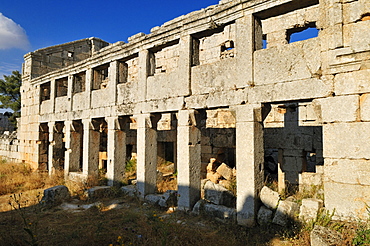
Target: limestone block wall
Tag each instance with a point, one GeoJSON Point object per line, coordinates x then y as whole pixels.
{"type": "Point", "coordinates": [223, 82]}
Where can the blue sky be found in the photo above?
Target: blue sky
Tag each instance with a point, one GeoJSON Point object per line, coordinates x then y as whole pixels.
{"type": "Point", "coordinates": [30, 25]}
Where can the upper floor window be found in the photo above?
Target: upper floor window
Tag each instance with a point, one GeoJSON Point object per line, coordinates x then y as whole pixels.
{"type": "Point", "coordinates": [79, 82]}
{"type": "Point", "coordinates": [100, 77]}
{"type": "Point", "coordinates": [61, 87]}
{"type": "Point", "coordinates": [45, 91]}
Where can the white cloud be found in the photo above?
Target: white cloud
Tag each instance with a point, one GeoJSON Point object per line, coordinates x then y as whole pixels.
{"type": "Point", "coordinates": [12, 35]}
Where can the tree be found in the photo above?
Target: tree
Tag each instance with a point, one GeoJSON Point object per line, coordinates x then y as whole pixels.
{"type": "Point", "coordinates": [10, 97]}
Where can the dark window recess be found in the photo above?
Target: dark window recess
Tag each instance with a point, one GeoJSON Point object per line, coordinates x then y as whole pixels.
{"type": "Point", "coordinates": [228, 45]}
{"type": "Point", "coordinates": [122, 72]}
{"type": "Point", "coordinates": [61, 87]}
{"type": "Point", "coordinates": [227, 49]}
{"type": "Point", "coordinates": [79, 82]}
{"type": "Point", "coordinates": [100, 77]}
{"type": "Point", "coordinates": [195, 52]}
{"type": "Point", "coordinates": [302, 33]}
{"type": "Point", "coordinates": [45, 91]}
{"type": "Point", "coordinates": [152, 65]}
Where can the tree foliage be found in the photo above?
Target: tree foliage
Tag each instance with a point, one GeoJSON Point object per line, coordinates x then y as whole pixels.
{"type": "Point", "coordinates": [10, 97]}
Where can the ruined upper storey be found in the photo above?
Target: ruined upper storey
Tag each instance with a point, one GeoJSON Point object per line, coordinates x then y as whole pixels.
{"type": "Point", "coordinates": [49, 59]}
{"type": "Point", "coordinates": [191, 61]}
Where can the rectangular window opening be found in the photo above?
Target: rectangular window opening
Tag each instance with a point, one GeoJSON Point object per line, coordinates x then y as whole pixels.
{"type": "Point", "coordinates": [61, 87]}
{"type": "Point", "coordinates": [302, 33]}
{"type": "Point", "coordinates": [100, 74]}
{"type": "Point", "coordinates": [79, 82]}
{"type": "Point", "coordinates": [45, 91]}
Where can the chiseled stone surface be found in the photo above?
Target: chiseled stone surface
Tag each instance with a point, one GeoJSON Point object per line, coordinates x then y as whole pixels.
{"type": "Point", "coordinates": [309, 209]}
{"type": "Point", "coordinates": [322, 236]}
{"type": "Point", "coordinates": [286, 211]}
{"type": "Point", "coordinates": [269, 198]}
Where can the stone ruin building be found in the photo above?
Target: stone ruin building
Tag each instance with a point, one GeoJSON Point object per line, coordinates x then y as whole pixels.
{"type": "Point", "coordinates": [225, 82]}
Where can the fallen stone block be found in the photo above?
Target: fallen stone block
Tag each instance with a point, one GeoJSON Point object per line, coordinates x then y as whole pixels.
{"type": "Point", "coordinates": [217, 211]}
{"type": "Point", "coordinates": [322, 236]}
{"type": "Point", "coordinates": [211, 167]}
{"type": "Point", "coordinates": [213, 176]}
{"type": "Point", "coordinates": [219, 195]}
{"type": "Point", "coordinates": [168, 199]}
{"type": "Point", "coordinates": [55, 195]}
{"type": "Point", "coordinates": [269, 198]}
{"type": "Point", "coordinates": [129, 190]}
{"type": "Point", "coordinates": [264, 216]}
{"type": "Point", "coordinates": [98, 192]}
{"type": "Point", "coordinates": [309, 209]}
{"type": "Point", "coordinates": [153, 199]}
{"type": "Point", "coordinates": [286, 211]}
{"type": "Point", "coordinates": [225, 171]}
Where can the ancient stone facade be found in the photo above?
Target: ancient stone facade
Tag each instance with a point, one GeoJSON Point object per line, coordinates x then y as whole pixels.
{"type": "Point", "coordinates": [225, 82]}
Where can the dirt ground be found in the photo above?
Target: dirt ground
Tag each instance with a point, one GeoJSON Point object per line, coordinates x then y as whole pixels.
{"type": "Point", "coordinates": [121, 221]}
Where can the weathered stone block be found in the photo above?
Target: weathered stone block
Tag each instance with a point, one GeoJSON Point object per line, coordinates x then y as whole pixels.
{"type": "Point", "coordinates": [353, 144]}
{"type": "Point", "coordinates": [309, 209]}
{"type": "Point", "coordinates": [338, 170]}
{"type": "Point", "coordinates": [218, 194]}
{"type": "Point", "coordinates": [351, 32]}
{"type": "Point", "coordinates": [225, 171]}
{"type": "Point", "coordinates": [348, 200]}
{"type": "Point", "coordinates": [129, 190]}
{"type": "Point", "coordinates": [213, 177]}
{"type": "Point", "coordinates": [322, 236]}
{"type": "Point", "coordinates": [269, 197]}
{"type": "Point", "coordinates": [286, 211]}
{"type": "Point", "coordinates": [100, 192]}
{"type": "Point", "coordinates": [351, 83]}
{"type": "Point", "coordinates": [339, 108]}
{"type": "Point", "coordinates": [168, 199]}
{"type": "Point", "coordinates": [217, 211]}
{"type": "Point", "coordinates": [55, 195]}
{"type": "Point", "coordinates": [264, 216]}
{"type": "Point", "coordinates": [153, 199]}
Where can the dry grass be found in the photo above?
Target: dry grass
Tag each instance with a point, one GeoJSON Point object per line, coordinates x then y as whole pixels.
{"type": "Point", "coordinates": [19, 177]}
{"type": "Point", "coordinates": [132, 224]}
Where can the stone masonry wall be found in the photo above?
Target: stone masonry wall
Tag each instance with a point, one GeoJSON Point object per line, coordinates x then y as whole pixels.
{"type": "Point", "coordinates": [222, 82]}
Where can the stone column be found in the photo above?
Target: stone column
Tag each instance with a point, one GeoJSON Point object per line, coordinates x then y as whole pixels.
{"type": "Point", "coordinates": [51, 147]}
{"type": "Point", "coordinates": [188, 159]}
{"type": "Point", "coordinates": [73, 148]}
{"type": "Point", "coordinates": [116, 150]}
{"type": "Point", "coordinates": [143, 74]}
{"type": "Point", "coordinates": [249, 35]}
{"type": "Point", "coordinates": [249, 161]}
{"type": "Point", "coordinates": [70, 92]}
{"type": "Point", "coordinates": [91, 141]}
{"type": "Point", "coordinates": [146, 155]}
{"type": "Point", "coordinates": [68, 144]}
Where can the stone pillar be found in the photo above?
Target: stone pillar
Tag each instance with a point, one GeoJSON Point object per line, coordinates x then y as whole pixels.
{"type": "Point", "coordinates": [69, 153]}
{"type": "Point", "coordinates": [91, 139]}
{"type": "Point", "coordinates": [143, 74]}
{"type": "Point", "coordinates": [146, 170]}
{"type": "Point", "coordinates": [70, 92]}
{"type": "Point", "coordinates": [249, 35]}
{"type": "Point", "coordinates": [188, 159]}
{"type": "Point", "coordinates": [73, 147]}
{"type": "Point", "coordinates": [116, 150]}
{"type": "Point", "coordinates": [249, 162]}
{"type": "Point", "coordinates": [112, 85]}
{"type": "Point", "coordinates": [51, 147]}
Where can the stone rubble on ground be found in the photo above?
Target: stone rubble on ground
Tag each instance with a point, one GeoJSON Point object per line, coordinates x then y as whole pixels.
{"type": "Point", "coordinates": [55, 195]}
{"type": "Point", "coordinates": [322, 236]}
{"type": "Point", "coordinates": [269, 198]}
